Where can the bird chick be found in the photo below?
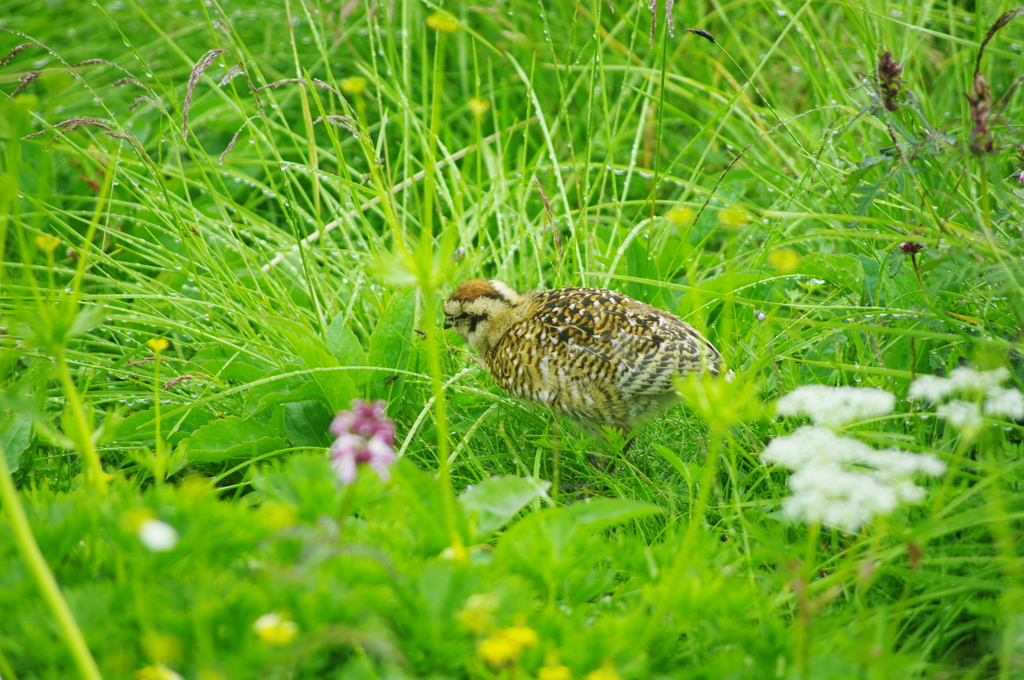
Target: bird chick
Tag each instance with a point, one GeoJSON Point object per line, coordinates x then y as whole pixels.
{"type": "Point", "coordinates": [594, 355]}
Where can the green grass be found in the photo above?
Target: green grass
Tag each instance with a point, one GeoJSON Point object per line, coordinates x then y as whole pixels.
{"type": "Point", "coordinates": [755, 186]}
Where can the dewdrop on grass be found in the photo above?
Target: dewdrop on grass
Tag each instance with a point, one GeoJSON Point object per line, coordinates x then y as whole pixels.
{"type": "Point", "coordinates": [836, 406]}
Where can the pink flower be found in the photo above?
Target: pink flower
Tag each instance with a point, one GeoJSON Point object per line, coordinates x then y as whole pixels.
{"type": "Point", "coordinates": [364, 435]}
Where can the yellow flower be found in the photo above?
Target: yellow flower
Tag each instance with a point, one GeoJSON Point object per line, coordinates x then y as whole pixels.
{"type": "Point", "coordinates": [211, 675]}
{"type": "Point", "coordinates": [784, 260]}
{"type": "Point", "coordinates": [456, 552]}
{"type": "Point", "coordinates": [104, 477]}
{"type": "Point", "coordinates": [681, 217]}
{"type": "Point", "coordinates": [605, 672]}
{"type": "Point", "coordinates": [278, 515]}
{"type": "Point", "coordinates": [733, 218]}
{"type": "Point", "coordinates": [556, 672]}
{"type": "Point", "coordinates": [275, 629]}
{"type": "Point", "coordinates": [157, 673]}
{"type": "Point", "coordinates": [47, 243]}
{"type": "Point", "coordinates": [158, 345]}
{"type": "Point", "coordinates": [132, 520]}
{"type": "Point", "coordinates": [521, 636]}
{"type": "Point", "coordinates": [553, 668]}
{"type": "Point", "coordinates": [162, 647]}
{"type": "Point", "coordinates": [497, 650]}
{"type": "Point", "coordinates": [443, 22]}
{"type": "Point", "coordinates": [354, 85]}
{"type": "Point", "coordinates": [478, 107]}
{"type": "Point", "coordinates": [506, 645]}
{"type": "Point", "coordinates": [477, 613]}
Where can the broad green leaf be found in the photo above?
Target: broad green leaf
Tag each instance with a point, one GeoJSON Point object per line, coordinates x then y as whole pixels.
{"type": "Point", "coordinates": [391, 345]}
{"type": "Point", "coordinates": [15, 436]}
{"type": "Point", "coordinates": [236, 371]}
{"type": "Point", "coordinates": [493, 502]}
{"type": "Point", "coordinates": [88, 317]}
{"type": "Point", "coordinates": [557, 553]}
{"type": "Point", "coordinates": [306, 482]}
{"type": "Point", "coordinates": [307, 391]}
{"type": "Point", "coordinates": [844, 270]}
{"type": "Point", "coordinates": [140, 427]}
{"type": "Point", "coordinates": [727, 284]}
{"type": "Point", "coordinates": [871, 270]}
{"type": "Point", "coordinates": [673, 458]}
{"type": "Point", "coordinates": [230, 438]}
{"type": "Point", "coordinates": [343, 343]}
{"type": "Point", "coordinates": [423, 514]}
{"type": "Point", "coordinates": [281, 386]}
{"type": "Point", "coordinates": [605, 512]}
{"type": "Point", "coordinates": [306, 423]}
{"type": "Point", "coordinates": [337, 386]}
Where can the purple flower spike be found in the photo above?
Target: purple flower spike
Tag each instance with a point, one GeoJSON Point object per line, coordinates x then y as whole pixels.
{"type": "Point", "coordinates": [364, 435]}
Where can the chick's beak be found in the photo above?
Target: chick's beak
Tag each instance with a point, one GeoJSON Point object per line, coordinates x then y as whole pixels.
{"type": "Point", "coordinates": [447, 325]}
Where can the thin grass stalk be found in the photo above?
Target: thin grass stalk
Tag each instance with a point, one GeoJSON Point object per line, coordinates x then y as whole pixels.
{"type": "Point", "coordinates": [36, 564]}
{"type": "Point", "coordinates": [5, 666]}
{"type": "Point", "coordinates": [82, 436]}
{"type": "Point", "coordinates": [160, 464]}
{"type": "Point", "coordinates": [429, 275]}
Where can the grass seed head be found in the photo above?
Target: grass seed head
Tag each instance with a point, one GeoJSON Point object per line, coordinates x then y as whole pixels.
{"type": "Point", "coordinates": [890, 84]}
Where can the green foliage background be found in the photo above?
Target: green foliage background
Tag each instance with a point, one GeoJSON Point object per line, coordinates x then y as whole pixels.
{"type": "Point", "coordinates": [287, 190]}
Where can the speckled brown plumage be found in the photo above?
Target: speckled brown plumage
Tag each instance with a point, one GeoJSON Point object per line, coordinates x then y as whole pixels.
{"type": "Point", "coordinates": [595, 355]}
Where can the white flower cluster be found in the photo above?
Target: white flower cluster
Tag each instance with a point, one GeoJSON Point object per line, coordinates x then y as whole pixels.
{"type": "Point", "coordinates": [839, 481]}
{"type": "Point", "coordinates": [967, 415]}
{"type": "Point", "coordinates": [836, 406]}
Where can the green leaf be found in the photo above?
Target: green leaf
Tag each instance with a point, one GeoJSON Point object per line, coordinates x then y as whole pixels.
{"type": "Point", "coordinates": [230, 438]}
{"type": "Point", "coordinates": [140, 427]}
{"type": "Point", "coordinates": [304, 481]}
{"type": "Point", "coordinates": [671, 456]}
{"type": "Point", "coordinates": [493, 502]}
{"type": "Point", "coordinates": [601, 513]}
{"type": "Point", "coordinates": [15, 436]}
{"type": "Point", "coordinates": [391, 345]}
{"type": "Point", "coordinates": [306, 423]}
{"type": "Point", "coordinates": [307, 391]}
{"type": "Point", "coordinates": [844, 270]}
{"type": "Point", "coordinates": [282, 386]}
{"type": "Point", "coordinates": [88, 317]}
{"type": "Point", "coordinates": [422, 506]}
{"type": "Point", "coordinates": [726, 284]}
{"type": "Point", "coordinates": [336, 386]}
{"type": "Point", "coordinates": [236, 371]}
{"type": "Point", "coordinates": [559, 554]}
{"type": "Point", "coordinates": [343, 343]}
{"type": "Point", "coordinates": [871, 278]}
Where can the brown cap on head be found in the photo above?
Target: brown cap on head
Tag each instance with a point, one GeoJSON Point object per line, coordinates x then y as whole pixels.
{"type": "Point", "coordinates": [477, 288]}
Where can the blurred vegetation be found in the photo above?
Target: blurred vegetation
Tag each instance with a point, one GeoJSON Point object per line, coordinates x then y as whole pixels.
{"type": "Point", "coordinates": [286, 191]}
